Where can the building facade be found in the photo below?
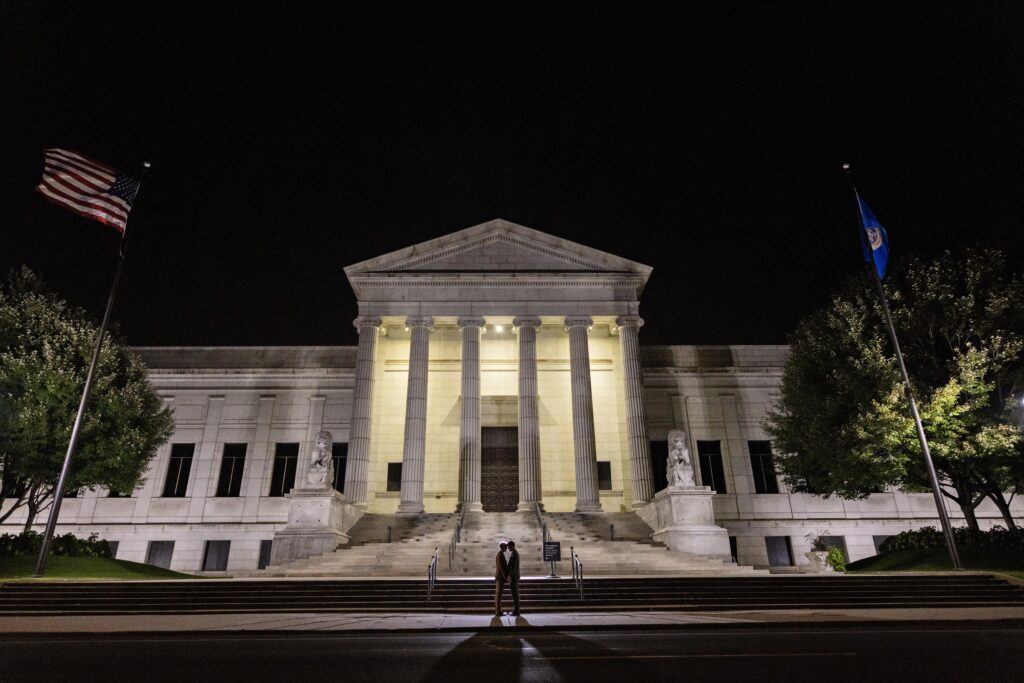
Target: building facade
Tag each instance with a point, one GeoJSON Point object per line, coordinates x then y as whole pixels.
{"type": "Point", "coordinates": [498, 368]}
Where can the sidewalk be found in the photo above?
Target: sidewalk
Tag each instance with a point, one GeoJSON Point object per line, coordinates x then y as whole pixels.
{"type": "Point", "coordinates": [422, 623]}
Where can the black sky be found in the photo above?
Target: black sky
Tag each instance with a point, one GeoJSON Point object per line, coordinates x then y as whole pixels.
{"type": "Point", "coordinates": [703, 139]}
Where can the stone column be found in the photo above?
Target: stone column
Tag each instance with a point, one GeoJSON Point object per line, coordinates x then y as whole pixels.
{"type": "Point", "coordinates": [584, 443]}
{"type": "Point", "coordinates": [636, 420]}
{"type": "Point", "coordinates": [469, 429]}
{"type": "Point", "coordinates": [414, 446]}
{"type": "Point", "coordinates": [357, 468]}
{"type": "Point", "coordinates": [529, 423]}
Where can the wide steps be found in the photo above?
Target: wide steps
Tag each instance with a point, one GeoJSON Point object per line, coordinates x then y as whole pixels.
{"type": "Point", "coordinates": [538, 595]}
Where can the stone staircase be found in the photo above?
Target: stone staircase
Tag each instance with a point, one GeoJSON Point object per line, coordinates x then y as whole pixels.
{"type": "Point", "coordinates": [413, 540]}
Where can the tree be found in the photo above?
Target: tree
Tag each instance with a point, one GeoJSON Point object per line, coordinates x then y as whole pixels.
{"type": "Point", "coordinates": [45, 350]}
{"type": "Point", "coordinates": [842, 423]}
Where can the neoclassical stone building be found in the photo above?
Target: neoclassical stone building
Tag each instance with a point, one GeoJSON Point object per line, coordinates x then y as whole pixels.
{"type": "Point", "coordinates": [498, 368]}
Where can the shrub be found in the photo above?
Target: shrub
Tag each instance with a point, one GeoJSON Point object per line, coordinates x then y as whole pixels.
{"type": "Point", "coordinates": [930, 537]}
{"type": "Point", "coordinates": [29, 543]}
{"type": "Point", "coordinates": [836, 559]}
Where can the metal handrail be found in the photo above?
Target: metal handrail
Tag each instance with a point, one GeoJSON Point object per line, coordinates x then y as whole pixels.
{"type": "Point", "coordinates": [577, 570]}
{"type": "Point", "coordinates": [456, 538]}
{"type": "Point", "coordinates": [431, 575]}
{"type": "Point", "coordinates": [541, 523]}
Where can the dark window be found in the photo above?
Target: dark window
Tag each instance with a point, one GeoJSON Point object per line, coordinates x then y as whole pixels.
{"type": "Point", "coordinates": [659, 460]}
{"type": "Point", "coordinates": [879, 540]}
{"type": "Point", "coordinates": [265, 548]}
{"type": "Point", "coordinates": [837, 542]}
{"type": "Point", "coordinates": [177, 470]}
{"type": "Point", "coordinates": [159, 553]}
{"type": "Point", "coordinates": [780, 551]}
{"type": "Point", "coordinates": [732, 549]}
{"type": "Point", "coordinates": [215, 557]}
{"type": "Point", "coordinates": [339, 454]}
{"type": "Point", "coordinates": [712, 473]}
{"type": "Point", "coordinates": [231, 466]}
{"type": "Point", "coordinates": [113, 548]}
{"type": "Point", "coordinates": [286, 458]}
{"type": "Point", "coordinates": [764, 467]}
{"type": "Point", "coordinates": [394, 476]}
{"type": "Point", "coordinates": [604, 476]}
{"type": "Point", "coordinates": [71, 493]}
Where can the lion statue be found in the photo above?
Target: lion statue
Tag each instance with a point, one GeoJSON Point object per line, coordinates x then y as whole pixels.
{"type": "Point", "coordinates": [321, 466]}
{"type": "Point", "coordinates": [679, 469]}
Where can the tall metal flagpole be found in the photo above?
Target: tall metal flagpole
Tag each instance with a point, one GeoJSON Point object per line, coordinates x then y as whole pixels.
{"type": "Point", "coordinates": [58, 495]}
{"type": "Point", "coordinates": [947, 529]}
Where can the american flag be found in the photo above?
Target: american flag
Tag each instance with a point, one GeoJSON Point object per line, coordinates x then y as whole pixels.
{"type": "Point", "coordinates": [88, 188]}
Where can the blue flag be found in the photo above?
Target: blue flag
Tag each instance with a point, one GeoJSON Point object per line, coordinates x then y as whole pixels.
{"type": "Point", "coordinates": [873, 238]}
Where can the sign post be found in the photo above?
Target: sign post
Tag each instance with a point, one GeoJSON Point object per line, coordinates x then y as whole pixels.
{"type": "Point", "coordinates": [552, 554]}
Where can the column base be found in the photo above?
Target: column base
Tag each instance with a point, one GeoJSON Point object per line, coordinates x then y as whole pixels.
{"type": "Point", "coordinates": [410, 509]}
{"type": "Point", "coordinates": [529, 506]}
{"type": "Point", "coordinates": [589, 506]}
{"type": "Point", "coordinates": [473, 508]}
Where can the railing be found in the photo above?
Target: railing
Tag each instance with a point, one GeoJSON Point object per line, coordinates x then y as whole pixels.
{"type": "Point", "coordinates": [431, 575]}
{"type": "Point", "coordinates": [456, 538]}
{"type": "Point", "coordinates": [577, 570]}
{"type": "Point", "coordinates": [540, 523]}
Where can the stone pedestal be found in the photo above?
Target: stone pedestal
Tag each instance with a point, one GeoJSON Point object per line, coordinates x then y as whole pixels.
{"type": "Point", "coordinates": [684, 520]}
{"type": "Point", "coordinates": [317, 523]}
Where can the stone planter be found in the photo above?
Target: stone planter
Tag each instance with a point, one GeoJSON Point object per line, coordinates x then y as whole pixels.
{"type": "Point", "coordinates": [818, 560]}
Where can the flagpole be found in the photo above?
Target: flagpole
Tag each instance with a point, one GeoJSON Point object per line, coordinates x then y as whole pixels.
{"type": "Point", "coordinates": [947, 529]}
{"type": "Point", "coordinates": [58, 496]}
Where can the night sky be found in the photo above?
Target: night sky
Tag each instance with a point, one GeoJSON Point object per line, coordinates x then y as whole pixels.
{"type": "Point", "coordinates": [699, 138]}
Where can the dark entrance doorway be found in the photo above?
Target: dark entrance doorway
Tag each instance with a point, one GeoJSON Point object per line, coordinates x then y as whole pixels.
{"type": "Point", "coordinates": [499, 469]}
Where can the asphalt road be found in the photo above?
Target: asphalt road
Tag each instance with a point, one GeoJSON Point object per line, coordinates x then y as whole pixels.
{"type": "Point", "coordinates": [871, 654]}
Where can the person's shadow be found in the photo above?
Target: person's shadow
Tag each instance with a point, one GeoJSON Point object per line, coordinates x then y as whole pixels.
{"type": "Point", "coordinates": [497, 655]}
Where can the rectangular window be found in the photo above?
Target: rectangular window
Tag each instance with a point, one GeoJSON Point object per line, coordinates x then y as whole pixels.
{"type": "Point", "coordinates": [763, 465]}
{"type": "Point", "coordinates": [229, 484]}
{"type": "Point", "coordinates": [113, 548]}
{"type": "Point", "coordinates": [339, 454]}
{"type": "Point", "coordinates": [159, 553]}
{"type": "Point", "coordinates": [780, 551]}
{"type": "Point", "coordinates": [178, 469]}
{"type": "Point", "coordinates": [215, 557]}
{"type": "Point", "coordinates": [659, 461]}
{"type": "Point", "coordinates": [604, 475]}
{"type": "Point", "coordinates": [712, 473]}
{"type": "Point", "coordinates": [878, 541]}
{"type": "Point", "coordinates": [837, 542]}
{"type": "Point", "coordinates": [732, 549]}
{"type": "Point", "coordinates": [394, 476]}
{"type": "Point", "coordinates": [286, 458]}
{"type": "Point", "coordinates": [265, 548]}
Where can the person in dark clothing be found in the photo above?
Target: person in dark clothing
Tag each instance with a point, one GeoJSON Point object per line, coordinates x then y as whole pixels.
{"type": "Point", "coordinates": [500, 577]}
{"type": "Point", "coordinates": [513, 576]}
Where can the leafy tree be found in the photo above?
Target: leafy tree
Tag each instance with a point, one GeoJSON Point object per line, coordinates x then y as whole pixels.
{"type": "Point", "coordinates": [45, 350]}
{"type": "Point", "coordinates": [842, 422]}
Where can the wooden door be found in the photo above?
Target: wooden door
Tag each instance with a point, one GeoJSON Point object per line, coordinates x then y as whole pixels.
{"type": "Point", "coordinates": [499, 469]}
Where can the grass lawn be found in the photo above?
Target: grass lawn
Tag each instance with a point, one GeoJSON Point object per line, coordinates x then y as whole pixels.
{"type": "Point", "coordinates": [994, 560]}
{"type": "Point", "coordinates": [59, 567]}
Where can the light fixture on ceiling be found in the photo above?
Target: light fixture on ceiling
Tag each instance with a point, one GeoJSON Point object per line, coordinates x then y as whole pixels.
{"type": "Point", "coordinates": [499, 328]}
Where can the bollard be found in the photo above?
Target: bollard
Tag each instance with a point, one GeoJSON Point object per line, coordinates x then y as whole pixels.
{"type": "Point", "coordinates": [611, 532]}
{"type": "Point", "coordinates": [389, 535]}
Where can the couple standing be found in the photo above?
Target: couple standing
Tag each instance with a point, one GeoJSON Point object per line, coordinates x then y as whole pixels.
{"type": "Point", "coordinates": [506, 570]}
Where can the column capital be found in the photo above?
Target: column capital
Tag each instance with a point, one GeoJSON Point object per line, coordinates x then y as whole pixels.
{"type": "Point", "coordinates": [367, 321]}
{"type": "Point", "coordinates": [527, 321]}
{"type": "Point", "coordinates": [419, 321]}
{"type": "Point", "coordinates": [578, 321]}
{"type": "Point", "coordinates": [629, 321]}
{"type": "Point", "coordinates": [472, 321]}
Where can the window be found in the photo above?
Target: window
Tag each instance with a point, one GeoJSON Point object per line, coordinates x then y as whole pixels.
{"type": "Point", "coordinates": [265, 548]}
{"type": "Point", "coordinates": [113, 548]}
{"type": "Point", "coordinates": [178, 468]}
{"type": "Point", "coordinates": [764, 467]}
{"type": "Point", "coordinates": [339, 454]}
{"type": "Point", "coordinates": [71, 493]}
{"type": "Point", "coordinates": [712, 473]}
{"type": "Point", "coordinates": [286, 458]}
{"type": "Point", "coordinates": [659, 458]}
{"type": "Point", "coordinates": [159, 553]}
{"type": "Point", "coordinates": [215, 557]}
{"type": "Point", "coordinates": [780, 551]}
{"type": "Point", "coordinates": [229, 484]}
{"type": "Point", "coordinates": [394, 476]}
{"type": "Point", "coordinates": [837, 542]}
{"type": "Point", "coordinates": [732, 549]}
{"type": "Point", "coordinates": [604, 476]}
{"type": "Point", "coordinates": [878, 541]}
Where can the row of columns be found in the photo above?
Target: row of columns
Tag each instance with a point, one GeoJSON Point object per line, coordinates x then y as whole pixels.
{"type": "Point", "coordinates": [414, 445]}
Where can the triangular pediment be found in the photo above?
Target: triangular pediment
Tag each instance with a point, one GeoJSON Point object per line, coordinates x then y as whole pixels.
{"type": "Point", "coordinates": [494, 247]}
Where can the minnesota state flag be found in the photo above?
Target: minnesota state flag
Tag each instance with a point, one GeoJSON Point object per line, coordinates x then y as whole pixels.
{"type": "Point", "coordinates": [873, 238]}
